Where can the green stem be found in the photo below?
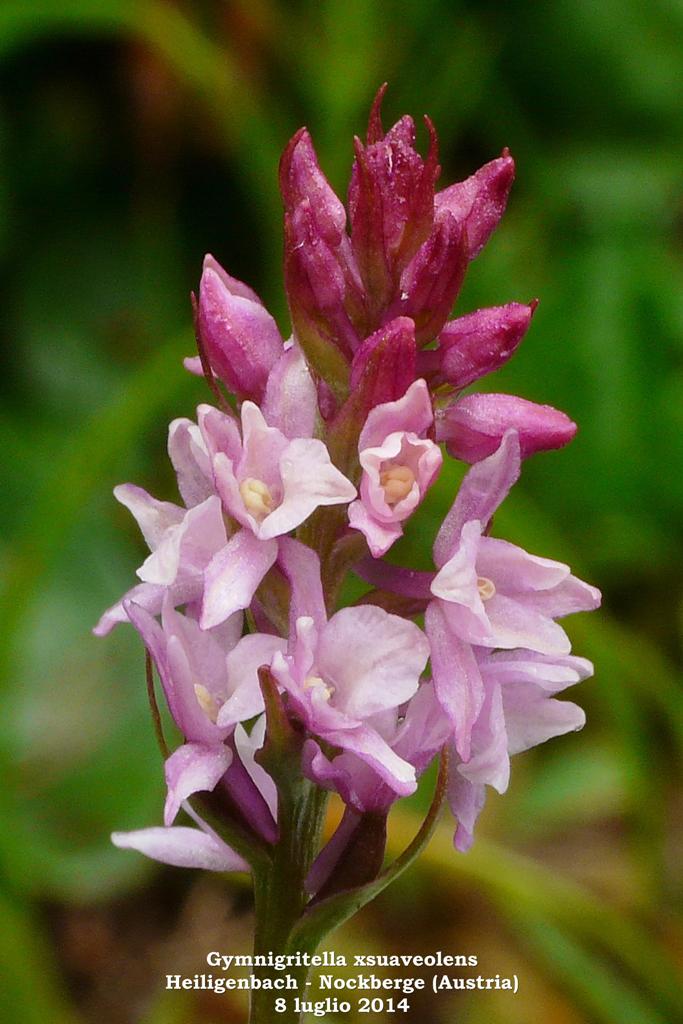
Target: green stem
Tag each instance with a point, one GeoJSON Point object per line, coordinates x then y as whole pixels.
{"type": "Point", "coordinates": [321, 918]}
{"type": "Point", "coordinates": [280, 897]}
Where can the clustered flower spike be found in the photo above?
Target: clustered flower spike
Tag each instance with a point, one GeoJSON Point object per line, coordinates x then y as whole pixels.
{"type": "Point", "coordinates": [315, 467]}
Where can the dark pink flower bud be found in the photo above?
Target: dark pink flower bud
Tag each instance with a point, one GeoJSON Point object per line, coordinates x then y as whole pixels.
{"type": "Point", "coordinates": [391, 202]}
{"type": "Point", "coordinates": [433, 278]}
{"type": "Point", "coordinates": [301, 179]}
{"type": "Point", "coordinates": [239, 336]}
{"type": "Point", "coordinates": [473, 427]}
{"type": "Point", "coordinates": [476, 344]}
{"type": "Point", "coordinates": [479, 202]}
{"type": "Point", "coordinates": [316, 292]}
{"type": "Point", "coordinates": [384, 366]}
{"type": "Point", "coordinates": [319, 283]}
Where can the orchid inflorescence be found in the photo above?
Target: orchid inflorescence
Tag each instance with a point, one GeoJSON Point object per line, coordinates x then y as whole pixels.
{"type": "Point", "coordinates": [311, 470]}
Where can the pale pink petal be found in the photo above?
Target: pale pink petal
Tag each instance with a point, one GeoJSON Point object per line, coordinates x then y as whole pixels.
{"type": "Point", "coordinates": [192, 717]}
{"type": "Point", "coordinates": [424, 729]}
{"type": "Point", "coordinates": [369, 746]}
{"type": "Point", "coordinates": [187, 548]}
{"type": "Point", "coordinates": [412, 413]}
{"type": "Point", "coordinates": [515, 625]}
{"type": "Point", "coordinates": [572, 595]}
{"type": "Point", "coordinates": [193, 768]}
{"type": "Point", "coordinates": [291, 399]}
{"type": "Point", "coordinates": [489, 761]}
{"type": "Point", "coordinates": [531, 717]}
{"type": "Point", "coordinates": [233, 575]}
{"type": "Point", "coordinates": [181, 847]}
{"type": "Point", "coordinates": [301, 566]}
{"type": "Point", "coordinates": [456, 585]}
{"type": "Point", "coordinates": [190, 459]}
{"type": "Point", "coordinates": [380, 536]}
{"type": "Point", "coordinates": [219, 432]}
{"type": "Point", "coordinates": [155, 518]}
{"type": "Point", "coordinates": [457, 680]}
{"type": "Point", "coordinates": [203, 647]}
{"type": "Point", "coordinates": [372, 659]}
{"type": "Point", "coordinates": [516, 571]}
{"type": "Point", "coordinates": [481, 492]}
{"type": "Point", "coordinates": [551, 673]}
{"type": "Point", "coordinates": [245, 699]}
{"type": "Point", "coordinates": [178, 676]}
{"type": "Point", "coordinates": [193, 365]}
{"type": "Point", "coordinates": [247, 745]}
{"type": "Point", "coordinates": [420, 455]}
{"type": "Point", "coordinates": [262, 448]}
{"type": "Point", "coordinates": [309, 479]}
{"type": "Point", "coordinates": [466, 800]}
{"type": "Point", "coordinates": [149, 596]}
{"type": "Point", "coordinates": [228, 488]}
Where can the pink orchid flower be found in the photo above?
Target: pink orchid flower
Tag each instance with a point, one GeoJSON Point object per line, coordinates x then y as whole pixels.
{"type": "Point", "coordinates": [491, 593]}
{"type": "Point", "coordinates": [270, 484]}
{"type": "Point", "coordinates": [399, 465]}
{"type": "Point", "coordinates": [339, 673]}
{"type": "Point", "coordinates": [183, 543]}
{"type": "Point", "coordinates": [518, 712]}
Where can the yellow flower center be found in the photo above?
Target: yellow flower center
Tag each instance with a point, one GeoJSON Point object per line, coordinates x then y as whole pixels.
{"type": "Point", "coordinates": [316, 683]}
{"type": "Point", "coordinates": [257, 498]}
{"type": "Point", "coordinates": [207, 703]}
{"type": "Point", "coordinates": [397, 482]}
{"type": "Point", "coordinates": [486, 588]}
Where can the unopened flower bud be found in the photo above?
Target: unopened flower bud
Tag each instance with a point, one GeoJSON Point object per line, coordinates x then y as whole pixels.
{"type": "Point", "coordinates": [433, 278]}
{"type": "Point", "coordinates": [479, 202]}
{"type": "Point", "coordinates": [301, 179]}
{"type": "Point", "coordinates": [476, 344]}
{"type": "Point", "coordinates": [384, 366]}
{"type": "Point", "coordinates": [391, 203]}
{"type": "Point", "coordinates": [316, 290]}
{"type": "Point", "coordinates": [473, 427]}
{"type": "Point", "coordinates": [240, 337]}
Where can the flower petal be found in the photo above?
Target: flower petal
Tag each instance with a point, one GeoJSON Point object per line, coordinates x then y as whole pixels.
{"type": "Point", "coordinates": [371, 658]}
{"type": "Point", "coordinates": [309, 479]}
{"type": "Point", "coordinates": [181, 847]}
{"type": "Point", "coordinates": [513, 624]}
{"type": "Point", "coordinates": [155, 518]}
{"type": "Point", "coordinates": [193, 768]}
{"type": "Point", "coordinates": [368, 745]}
{"type": "Point", "coordinates": [531, 717]}
{"type": "Point", "coordinates": [457, 680]}
{"type": "Point", "coordinates": [245, 699]}
{"type": "Point", "coordinates": [481, 492]}
{"type": "Point", "coordinates": [411, 413]}
{"type": "Point", "coordinates": [187, 548]}
{"type": "Point", "coordinates": [291, 398]}
{"type": "Point", "coordinates": [466, 800]}
{"type": "Point", "coordinates": [301, 566]}
{"type": "Point", "coordinates": [516, 571]}
{"type": "Point", "coordinates": [380, 536]}
{"type": "Point", "coordinates": [232, 576]}
{"type": "Point", "coordinates": [149, 596]}
{"type": "Point", "coordinates": [190, 459]}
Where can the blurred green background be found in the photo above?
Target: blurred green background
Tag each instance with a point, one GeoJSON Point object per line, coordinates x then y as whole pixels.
{"type": "Point", "coordinates": [135, 136]}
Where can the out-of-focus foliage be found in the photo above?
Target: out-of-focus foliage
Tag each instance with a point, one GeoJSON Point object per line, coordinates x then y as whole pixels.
{"type": "Point", "coordinates": [134, 136]}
